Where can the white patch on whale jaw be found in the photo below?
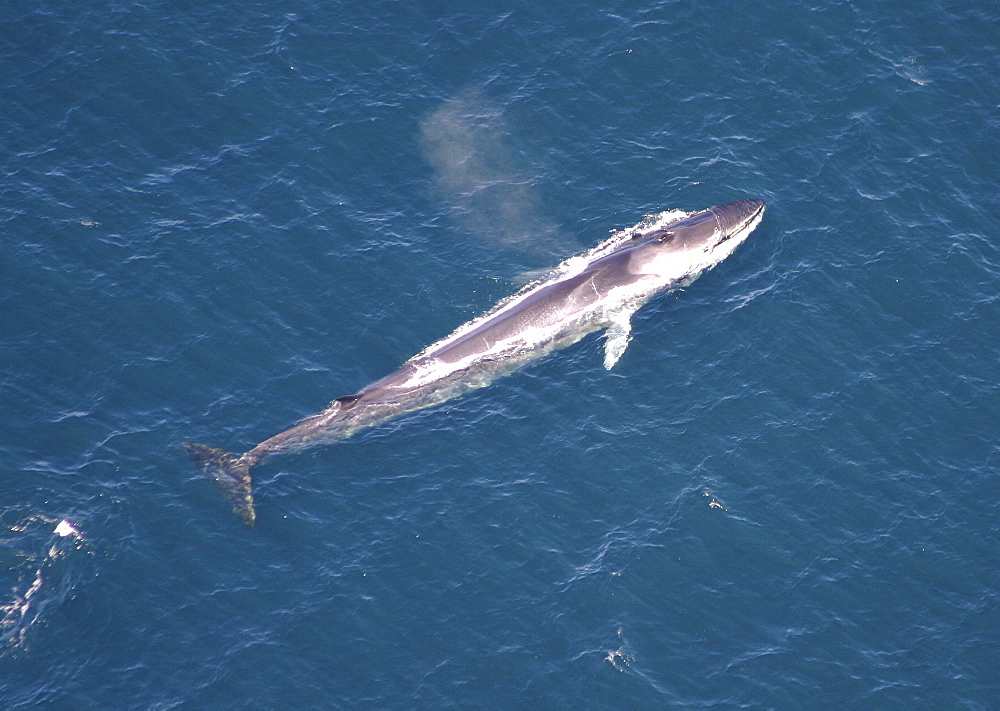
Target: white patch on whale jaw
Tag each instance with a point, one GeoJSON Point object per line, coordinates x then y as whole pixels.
{"type": "Point", "coordinates": [675, 267]}
{"type": "Point", "coordinates": [727, 246]}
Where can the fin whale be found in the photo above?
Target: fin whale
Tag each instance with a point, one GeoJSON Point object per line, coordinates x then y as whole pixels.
{"type": "Point", "coordinates": [600, 289]}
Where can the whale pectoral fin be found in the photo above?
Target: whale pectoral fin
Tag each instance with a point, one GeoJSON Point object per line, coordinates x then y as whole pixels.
{"type": "Point", "coordinates": [616, 338]}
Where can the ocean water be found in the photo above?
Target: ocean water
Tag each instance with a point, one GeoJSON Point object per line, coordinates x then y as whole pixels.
{"type": "Point", "coordinates": [216, 218]}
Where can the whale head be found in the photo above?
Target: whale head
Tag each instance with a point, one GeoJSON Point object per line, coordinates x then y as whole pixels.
{"type": "Point", "coordinates": [684, 249]}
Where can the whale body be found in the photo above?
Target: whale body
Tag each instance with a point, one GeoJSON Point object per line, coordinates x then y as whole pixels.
{"type": "Point", "coordinates": [600, 289]}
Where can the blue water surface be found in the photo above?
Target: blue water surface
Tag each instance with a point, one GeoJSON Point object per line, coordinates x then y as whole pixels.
{"type": "Point", "coordinates": [217, 217]}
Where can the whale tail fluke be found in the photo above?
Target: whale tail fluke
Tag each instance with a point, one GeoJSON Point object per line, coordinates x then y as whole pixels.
{"type": "Point", "coordinates": [232, 472]}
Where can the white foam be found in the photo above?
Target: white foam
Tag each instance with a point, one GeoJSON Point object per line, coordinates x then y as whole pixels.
{"type": "Point", "coordinates": [65, 528]}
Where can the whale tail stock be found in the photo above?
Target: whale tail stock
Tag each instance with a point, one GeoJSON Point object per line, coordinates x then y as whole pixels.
{"type": "Point", "coordinates": [232, 472]}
